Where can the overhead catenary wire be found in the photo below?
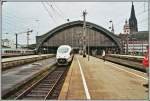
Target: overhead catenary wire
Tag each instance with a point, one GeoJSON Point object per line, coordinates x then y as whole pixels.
{"type": "Point", "coordinates": [14, 23]}
{"type": "Point", "coordinates": [48, 12]}
{"type": "Point", "coordinates": [11, 25]}
{"type": "Point", "coordinates": [55, 11]}
{"type": "Point", "coordinates": [62, 13]}
{"type": "Point", "coordinates": [143, 20]}
{"type": "Point", "coordinates": [14, 16]}
{"type": "Point", "coordinates": [144, 10]}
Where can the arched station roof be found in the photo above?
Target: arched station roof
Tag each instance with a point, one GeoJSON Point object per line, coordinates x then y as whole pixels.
{"type": "Point", "coordinates": [93, 26]}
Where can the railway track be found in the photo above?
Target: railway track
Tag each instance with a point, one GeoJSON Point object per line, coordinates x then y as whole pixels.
{"type": "Point", "coordinates": [46, 88]}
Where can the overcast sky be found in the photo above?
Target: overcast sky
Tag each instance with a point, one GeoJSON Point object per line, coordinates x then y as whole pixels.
{"type": "Point", "coordinates": [19, 16]}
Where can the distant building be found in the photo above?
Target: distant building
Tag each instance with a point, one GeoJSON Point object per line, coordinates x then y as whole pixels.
{"type": "Point", "coordinates": [138, 42]}
{"type": "Point", "coordinates": [133, 42]}
{"type": "Point", "coordinates": [7, 43]}
{"type": "Point", "coordinates": [126, 28]}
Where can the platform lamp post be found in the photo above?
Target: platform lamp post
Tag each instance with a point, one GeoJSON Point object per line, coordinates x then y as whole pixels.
{"type": "Point", "coordinates": [79, 38]}
{"type": "Point", "coordinates": [90, 27]}
{"type": "Point", "coordinates": [84, 33]}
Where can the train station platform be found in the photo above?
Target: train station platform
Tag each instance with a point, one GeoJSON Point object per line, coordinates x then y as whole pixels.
{"type": "Point", "coordinates": [22, 57]}
{"type": "Point", "coordinates": [11, 62]}
{"type": "Point", "coordinates": [15, 77]}
{"type": "Point", "coordinates": [96, 79]}
{"type": "Point", "coordinates": [126, 60]}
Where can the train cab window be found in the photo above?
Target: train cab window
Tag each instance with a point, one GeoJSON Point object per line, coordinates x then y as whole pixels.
{"type": "Point", "coordinates": [63, 50]}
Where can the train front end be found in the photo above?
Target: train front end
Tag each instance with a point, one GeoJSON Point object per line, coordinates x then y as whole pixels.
{"type": "Point", "coordinates": [63, 55]}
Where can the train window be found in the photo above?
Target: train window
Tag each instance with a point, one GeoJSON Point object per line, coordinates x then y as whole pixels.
{"type": "Point", "coordinates": [63, 50]}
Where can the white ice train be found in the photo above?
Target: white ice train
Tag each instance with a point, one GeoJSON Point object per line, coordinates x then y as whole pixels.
{"type": "Point", "coordinates": [8, 52]}
{"type": "Point", "coordinates": [64, 55]}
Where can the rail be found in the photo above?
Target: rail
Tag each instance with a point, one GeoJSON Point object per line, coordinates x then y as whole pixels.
{"type": "Point", "coordinates": [44, 86]}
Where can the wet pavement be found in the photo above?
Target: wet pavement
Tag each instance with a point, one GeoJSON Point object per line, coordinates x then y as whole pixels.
{"type": "Point", "coordinates": [16, 76]}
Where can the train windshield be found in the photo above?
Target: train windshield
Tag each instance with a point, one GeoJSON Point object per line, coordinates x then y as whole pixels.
{"type": "Point", "coordinates": [63, 50]}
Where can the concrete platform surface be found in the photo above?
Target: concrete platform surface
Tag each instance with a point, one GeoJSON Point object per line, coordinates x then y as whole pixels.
{"type": "Point", "coordinates": [96, 79]}
{"type": "Point", "coordinates": [13, 78]}
{"type": "Point", "coordinates": [22, 57]}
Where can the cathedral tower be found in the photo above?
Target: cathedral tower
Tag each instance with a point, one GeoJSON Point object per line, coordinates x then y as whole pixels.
{"type": "Point", "coordinates": [133, 21]}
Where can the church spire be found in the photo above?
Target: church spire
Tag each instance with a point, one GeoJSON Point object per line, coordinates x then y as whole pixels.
{"type": "Point", "coordinates": [133, 20]}
{"type": "Point", "coordinates": [132, 15]}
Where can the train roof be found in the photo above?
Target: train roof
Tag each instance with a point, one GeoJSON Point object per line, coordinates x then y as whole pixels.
{"type": "Point", "coordinates": [16, 49]}
{"type": "Point", "coordinates": [64, 46]}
